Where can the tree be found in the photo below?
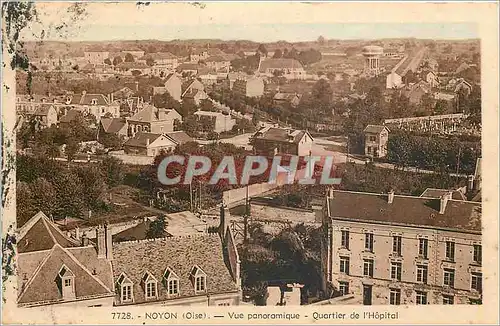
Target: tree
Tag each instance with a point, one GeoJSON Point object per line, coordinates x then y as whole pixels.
{"type": "Point", "coordinates": [113, 170]}
{"type": "Point", "coordinates": [321, 40]}
{"type": "Point", "coordinates": [157, 228]}
{"type": "Point", "coordinates": [150, 61]}
{"type": "Point", "coordinates": [108, 61]}
{"type": "Point", "coordinates": [117, 61]}
{"type": "Point", "coordinates": [110, 140]}
{"type": "Point", "coordinates": [277, 54]}
{"type": "Point", "coordinates": [187, 108]}
{"type": "Point", "coordinates": [129, 58]}
{"type": "Point", "coordinates": [71, 148]}
{"type": "Point", "coordinates": [262, 49]}
{"type": "Point", "coordinates": [207, 105]}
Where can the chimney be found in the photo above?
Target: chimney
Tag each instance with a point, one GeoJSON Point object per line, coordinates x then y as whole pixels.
{"type": "Point", "coordinates": [390, 196]}
{"type": "Point", "coordinates": [224, 218]}
{"type": "Point", "coordinates": [147, 142]}
{"type": "Point", "coordinates": [77, 233]}
{"type": "Point", "coordinates": [85, 240]}
{"type": "Point", "coordinates": [101, 242]}
{"type": "Point", "coordinates": [442, 203]}
{"type": "Point", "coordinates": [136, 86]}
{"type": "Point", "coordinates": [330, 193]}
{"type": "Point", "coordinates": [84, 92]}
{"type": "Point", "coordinates": [470, 182]}
{"type": "Point", "coordinates": [109, 242]}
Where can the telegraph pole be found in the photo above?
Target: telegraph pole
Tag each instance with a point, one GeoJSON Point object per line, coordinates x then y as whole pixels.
{"type": "Point", "coordinates": [191, 195]}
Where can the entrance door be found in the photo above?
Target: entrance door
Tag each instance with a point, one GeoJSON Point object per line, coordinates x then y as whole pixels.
{"type": "Point", "coordinates": [367, 295]}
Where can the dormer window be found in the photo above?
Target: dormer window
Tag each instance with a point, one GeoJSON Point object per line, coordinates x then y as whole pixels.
{"type": "Point", "coordinates": [125, 289]}
{"type": "Point", "coordinates": [171, 282]}
{"type": "Point", "coordinates": [199, 279]}
{"type": "Point", "coordinates": [150, 287]}
{"type": "Point", "coordinates": [94, 101]}
{"type": "Point", "coordinates": [66, 283]}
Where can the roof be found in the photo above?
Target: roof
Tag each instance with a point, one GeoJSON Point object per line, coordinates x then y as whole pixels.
{"type": "Point", "coordinates": [418, 211]}
{"type": "Point", "coordinates": [179, 137]}
{"type": "Point", "coordinates": [132, 65]}
{"type": "Point", "coordinates": [149, 114]}
{"type": "Point", "coordinates": [39, 270]}
{"type": "Point", "coordinates": [181, 255]}
{"type": "Point", "coordinates": [70, 115]}
{"type": "Point", "coordinates": [159, 56]}
{"type": "Point", "coordinates": [375, 129]}
{"type": "Point", "coordinates": [86, 99]}
{"type": "Point", "coordinates": [39, 233]}
{"type": "Point", "coordinates": [43, 110]}
{"type": "Point", "coordinates": [188, 66]}
{"type": "Point", "coordinates": [285, 96]}
{"type": "Point", "coordinates": [280, 134]}
{"type": "Point", "coordinates": [437, 193]}
{"type": "Point", "coordinates": [138, 232]}
{"type": "Point", "coordinates": [112, 125]}
{"type": "Point", "coordinates": [279, 64]}
{"type": "Point", "coordinates": [141, 139]}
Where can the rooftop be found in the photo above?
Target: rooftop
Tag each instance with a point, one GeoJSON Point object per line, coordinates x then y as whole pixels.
{"type": "Point", "coordinates": [375, 129]}
{"type": "Point", "coordinates": [280, 134]}
{"type": "Point", "coordinates": [279, 64]}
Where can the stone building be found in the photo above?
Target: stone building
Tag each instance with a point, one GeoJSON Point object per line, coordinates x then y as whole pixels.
{"type": "Point", "coordinates": [395, 249]}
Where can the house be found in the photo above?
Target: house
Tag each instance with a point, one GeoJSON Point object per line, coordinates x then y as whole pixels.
{"type": "Point", "coordinates": [136, 53]}
{"type": "Point", "coordinates": [221, 122]}
{"type": "Point", "coordinates": [376, 138]}
{"type": "Point", "coordinates": [274, 141]}
{"type": "Point", "coordinates": [173, 86]}
{"type": "Point", "coordinates": [117, 126]}
{"type": "Point", "coordinates": [45, 115]}
{"type": "Point", "coordinates": [463, 85]}
{"type": "Point", "coordinates": [54, 269]}
{"type": "Point", "coordinates": [456, 194]}
{"type": "Point", "coordinates": [292, 99]}
{"type": "Point", "coordinates": [71, 114]}
{"type": "Point", "coordinates": [190, 86]}
{"type": "Point", "coordinates": [393, 80]}
{"type": "Point", "coordinates": [249, 87]}
{"type": "Point", "coordinates": [123, 93]}
{"type": "Point", "coordinates": [288, 68]}
{"type": "Point", "coordinates": [133, 68]}
{"type": "Point", "coordinates": [163, 59]}
{"type": "Point", "coordinates": [152, 119]}
{"type": "Point", "coordinates": [401, 250]}
{"type": "Point", "coordinates": [431, 78]}
{"type": "Point", "coordinates": [415, 92]}
{"type": "Point", "coordinates": [217, 62]}
{"type": "Point", "coordinates": [195, 95]}
{"type": "Point", "coordinates": [208, 78]}
{"type": "Point", "coordinates": [197, 55]}
{"type": "Point", "coordinates": [150, 144]}
{"type": "Point", "coordinates": [98, 105]}
{"type": "Point", "coordinates": [462, 67]}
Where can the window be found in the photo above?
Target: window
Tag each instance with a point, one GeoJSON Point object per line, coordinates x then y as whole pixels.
{"type": "Point", "coordinates": [450, 250]}
{"type": "Point", "coordinates": [396, 271]}
{"type": "Point", "coordinates": [421, 297]}
{"type": "Point", "coordinates": [200, 283]}
{"type": "Point", "coordinates": [449, 277]}
{"type": "Point", "coordinates": [422, 273]}
{"type": "Point", "coordinates": [369, 149]}
{"type": "Point", "coordinates": [396, 245]}
{"type": "Point", "coordinates": [126, 292]}
{"type": "Point", "coordinates": [369, 241]}
{"type": "Point", "coordinates": [422, 247]}
{"type": "Point", "coordinates": [373, 138]}
{"type": "Point", "coordinates": [477, 257]}
{"type": "Point", "coordinates": [94, 101]}
{"type": "Point", "coordinates": [344, 265]}
{"type": "Point", "coordinates": [345, 239]}
{"type": "Point", "coordinates": [368, 267]}
{"type": "Point", "coordinates": [477, 282]}
{"type": "Point", "coordinates": [151, 289]}
{"type": "Point", "coordinates": [395, 297]}
{"type": "Point", "coordinates": [67, 282]}
{"type": "Point", "coordinates": [173, 287]}
{"type": "Point", "coordinates": [223, 304]}
{"type": "Point", "coordinates": [448, 299]}
{"type": "Point", "coordinates": [344, 288]}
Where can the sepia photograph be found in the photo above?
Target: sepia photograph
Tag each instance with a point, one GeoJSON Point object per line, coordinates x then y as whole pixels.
{"type": "Point", "coordinates": [164, 155]}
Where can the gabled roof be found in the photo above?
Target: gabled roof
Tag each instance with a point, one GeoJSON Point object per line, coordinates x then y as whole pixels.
{"type": "Point", "coordinates": [149, 114]}
{"type": "Point", "coordinates": [280, 134]}
{"type": "Point", "coordinates": [113, 125]}
{"type": "Point", "coordinates": [38, 272]}
{"type": "Point", "coordinates": [179, 137]}
{"type": "Point", "coordinates": [437, 193]}
{"type": "Point", "coordinates": [180, 254]}
{"type": "Point", "coordinates": [86, 99]}
{"type": "Point", "coordinates": [141, 139]}
{"type": "Point", "coordinates": [39, 233]}
{"type": "Point", "coordinates": [405, 210]}
{"type": "Point", "coordinates": [279, 64]}
{"type": "Point", "coordinates": [43, 110]}
{"type": "Point", "coordinates": [375, 129]}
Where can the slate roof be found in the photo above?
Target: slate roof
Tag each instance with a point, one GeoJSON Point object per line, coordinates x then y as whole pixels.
{"type": "Point", "coordinates": [181, 255]}
{"type": "Point", "coordinates": [279, 64]}
{"type": "Point", "coordinates": [280, 134]}
{"type": "Point", "coordinates": [374, 129]}
{"type": "Point", "coordinates": [112, 125]}
{"type": "Point", "coordinates": [38, 272]}
{"type": "Point", "coordinates": [179, 137]}
{"type": "Point", "coordinates": [459, 215]}
{"type": "Point", "coordinates": [137, 232]}
{"type": "Point", "coordinates": [39, 233]}
{"type": "Point", "coordinates": [148, 114]}
{"type": "Point", "coordinates": [86, 99]}
{"type": "Point", "coordinates": [140, 139]}
{"type": "Point", "coordinates": [437, 193]}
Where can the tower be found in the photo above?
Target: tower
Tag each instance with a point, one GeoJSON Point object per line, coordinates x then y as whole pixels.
{"type": "Point", "coordinates": [372, 55]}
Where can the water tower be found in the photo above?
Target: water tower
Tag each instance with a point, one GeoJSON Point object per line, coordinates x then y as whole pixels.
{"type": "Point", "coordinates": [372, 54]}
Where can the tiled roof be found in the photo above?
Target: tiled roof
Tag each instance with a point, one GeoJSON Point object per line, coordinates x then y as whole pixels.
{"type": "Point", "coordinates": [180, 137]}
{"type": "Point", "coordinates": [38, 286]}
{"type": "Point", "coordinates": [140, 139]}
{"type": "Point", "coordinates": [280, 134]}
{"type": "Point", "coordinates": [279, 64]}
{"type": "Point", "coordinates": [86, 99]}
{"type": "Point", "coordinates": [39, 233]}
{"type": "Point", "coordinates": [138, 232]}
{"type": "Point", "coordinates": [375, 129]}
{"type": "Point", "coordinates": [148, 114]}
{"type": "Point", "coordinates": [112, 125]}
{"type": "Point", "coordinates": [405, 210]}
{"type": "Point", "coordinates": [181, 255]}
{"type": "Point", "coordinates": [437, 193]}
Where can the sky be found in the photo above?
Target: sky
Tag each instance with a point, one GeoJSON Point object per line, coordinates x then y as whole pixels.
{"type": "Point", "coordinates": [257, 22]}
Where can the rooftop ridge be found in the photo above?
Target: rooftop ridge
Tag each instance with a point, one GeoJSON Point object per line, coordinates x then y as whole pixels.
{"type": "Point", "coordinates": [174, 238]}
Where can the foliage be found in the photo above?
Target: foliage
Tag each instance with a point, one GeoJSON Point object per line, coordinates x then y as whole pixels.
{"type": "Point", "coordinates": [117, 60]}
{"type": "Point", "coordinates": [157, 228]}
{"type": "Point", "coordinates": [129, 58]}
{"type": "Point", "coordinates": [113, 170]}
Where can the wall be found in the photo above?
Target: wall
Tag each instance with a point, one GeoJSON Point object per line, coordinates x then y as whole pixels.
{"type": "Point", "coordinates": [382, 257]}
{"type": "Point", "coordinates": [264, 211]}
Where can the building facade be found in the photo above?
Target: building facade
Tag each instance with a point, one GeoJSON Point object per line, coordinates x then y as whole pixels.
{"type": "Point", "coordinates": [376, 138]}
{"type": "Point", "coordinates": [394, 249]}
